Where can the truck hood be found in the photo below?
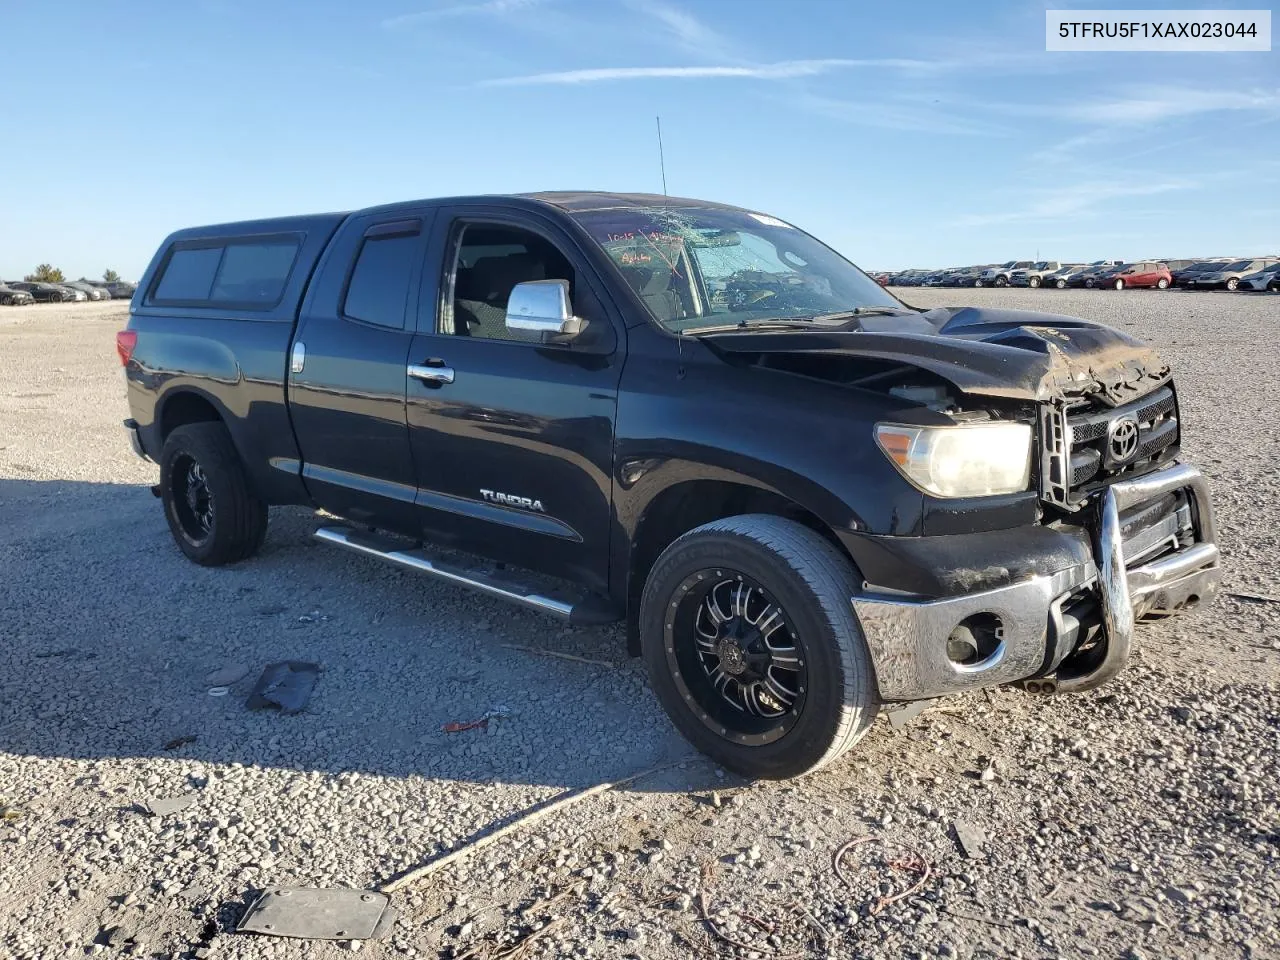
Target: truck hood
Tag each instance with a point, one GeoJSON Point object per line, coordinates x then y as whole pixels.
{"type": "Point", "coordinates": [1011, 354]}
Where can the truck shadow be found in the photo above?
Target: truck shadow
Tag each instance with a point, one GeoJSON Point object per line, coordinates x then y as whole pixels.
{"type": "Point", "coordinates": [111, 632]}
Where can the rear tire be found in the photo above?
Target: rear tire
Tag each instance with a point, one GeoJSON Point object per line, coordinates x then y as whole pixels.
{"type": "Point", "coordinates": [1162, 284]}
{"type": "Point", "coordinates": [214, 517]}
{"type": "Point", "coordinates": [804, 716]}
{"type": "Point", "coordinates": [1033, 282]}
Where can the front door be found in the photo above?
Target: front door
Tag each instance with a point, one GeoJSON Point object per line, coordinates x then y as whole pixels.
{"type": "Point", "coordinates": [512, 437]}
{"type": "Point", "coordinates": [347, 375]}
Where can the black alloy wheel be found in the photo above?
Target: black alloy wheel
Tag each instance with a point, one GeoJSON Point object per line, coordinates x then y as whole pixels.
{"type": "Point", "coordinates": [753, 648]}
{"type": "Point", "coordinates": [192, 499]}
{"type": "Point", "coordinates": [213, 513]}
{"type": "Point", "coordinates": [735, 654]}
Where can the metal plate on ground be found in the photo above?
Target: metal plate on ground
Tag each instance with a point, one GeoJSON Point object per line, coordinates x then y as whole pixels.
{"type": "Point", "coordinates": [309, 913]}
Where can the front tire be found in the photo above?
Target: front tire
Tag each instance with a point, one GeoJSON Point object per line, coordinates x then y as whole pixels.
{"type": "Point", "coordinates": [1002, 281]}
{"type": "Point", "coordinates": [1033, 282]}
{"type": "Point", "coordinates": [753, 648]}
{"type": "Point", "coordinates": [1060, 284]}
{"type": "Point", "coordinates": [1232, 284]}
{"type": "Point", "coordinates": [1119, 284]}
{"type": "Point", "coordinates": [214, 517]}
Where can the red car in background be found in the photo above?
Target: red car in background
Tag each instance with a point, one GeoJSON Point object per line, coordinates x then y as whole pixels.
{"type": "Point", "coordinates": [1145, 274]}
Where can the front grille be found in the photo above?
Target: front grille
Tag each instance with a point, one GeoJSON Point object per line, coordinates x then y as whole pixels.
{"type": "Point", "coordinates": [1077, 453]}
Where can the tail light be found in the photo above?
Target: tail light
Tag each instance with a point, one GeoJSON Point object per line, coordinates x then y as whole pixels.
{"type": "Point", "coordinates": [126, 340]}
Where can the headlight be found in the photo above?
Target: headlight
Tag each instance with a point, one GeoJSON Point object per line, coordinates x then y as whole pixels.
{"type": "Point", "coordinates": [965, 460]}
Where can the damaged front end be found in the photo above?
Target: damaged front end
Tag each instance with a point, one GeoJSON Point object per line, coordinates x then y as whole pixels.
{"type": "Point", "coordinates": [1121, 531]}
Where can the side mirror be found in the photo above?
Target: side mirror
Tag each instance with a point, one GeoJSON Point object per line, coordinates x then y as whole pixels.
{"type": "Point", "coordinates": [542, 306]}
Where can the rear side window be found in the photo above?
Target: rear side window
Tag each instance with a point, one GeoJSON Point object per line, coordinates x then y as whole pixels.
{"type": "Point", "coordinates": [254, 272]}
{"type": "Point", "coordinates": [379, 285]}
{"type": "Point", "coordinates": [248, 272]}
{"type": "Point", "coordinates": [189, 274]}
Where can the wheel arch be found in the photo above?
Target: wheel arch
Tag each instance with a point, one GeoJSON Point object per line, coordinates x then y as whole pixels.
{"type": "Point", "coordinates": [184, 406]}
{"type": "Point", "coordinates": [681, 507]}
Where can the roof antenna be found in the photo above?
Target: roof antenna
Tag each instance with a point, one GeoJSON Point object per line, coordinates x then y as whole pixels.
{"type": "Point", "coordinates": [662, 161]}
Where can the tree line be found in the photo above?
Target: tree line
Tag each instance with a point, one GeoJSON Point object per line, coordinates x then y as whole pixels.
{"type": "Point", "coordinates": [47, 273]}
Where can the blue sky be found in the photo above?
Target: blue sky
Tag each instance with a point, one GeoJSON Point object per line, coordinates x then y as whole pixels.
{"type": "Point", "coordinates": [912, 133]}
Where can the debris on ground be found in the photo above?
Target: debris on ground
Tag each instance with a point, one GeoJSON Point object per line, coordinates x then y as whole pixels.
{"type": "Point", "coordinates": [1254, 597]}
{"type": "Point", "coordinates": [8, 810]}
{"type": "Point", "coordinates": [971, 838]}
{"type": "Point", "coordinates": [538, 812]}
{"type": "Point", "coordinates": [315, 616]}
{"type": "Point", "coordinates": [163, 806]}
{"type": "Point", "coordinates": [178, 742]}
{"type": "Point", "coordinates": [226, 675]}
{"type": "Point", "coordinates": [286, 685]}
{"type": "Point", "coordinates": [788, 937]}
{"type": "Point", "coordinates": [915, 862]}
{"type": "Point", "coordinates": [901, 714]}
{"type": "Point", "coordinates": [333, 914]}
{"type": "Point", "coordinates": [543, 652]}
{"type": "Point", "coordinates": [493, 713]}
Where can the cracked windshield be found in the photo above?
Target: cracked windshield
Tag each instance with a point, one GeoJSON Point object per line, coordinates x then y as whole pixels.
{"type": "Point", "coordinates": [701, 268]}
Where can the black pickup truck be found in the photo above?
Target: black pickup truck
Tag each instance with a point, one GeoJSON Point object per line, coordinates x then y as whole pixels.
{"type": "Point", "coordinates": [807, 500]}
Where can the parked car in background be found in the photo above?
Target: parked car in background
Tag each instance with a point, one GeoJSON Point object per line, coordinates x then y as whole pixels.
{"type": "Point", "coordinates": [967, 276]}
{"type": "Point", "coordinates": [998, 276]}
{"type": "Point", "coordinates": [121, 289]}
{"type": "Point", "coordinates": [72, 293]}
{"type": "Point", "coordinates": [1033, 275]}
{"type": "Point", "coordinates": [1144, 274]}
{"type": "Point", "coordinates": [1099, 276]}
{"type": "Point", "coordinates": [1262, 280]}
{"type": "Point", "coordinates": [88, 289]}
{"type": "Point", "coordinates": [1228, 275]}
{"type": "Point", "coordinates": [42, 292]}
{"type": "Point", "coordinates": [11, 296]}
{"type": "Point", "coordinates": [1058, 278]}
{"type": "Point", "coordinates": [1182, 276]}
{"type": "Point", "coordinates": [1084, 276]}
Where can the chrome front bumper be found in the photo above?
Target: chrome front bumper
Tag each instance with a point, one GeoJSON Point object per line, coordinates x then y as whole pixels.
{"type": "Point", "coordinates": [908, 637]}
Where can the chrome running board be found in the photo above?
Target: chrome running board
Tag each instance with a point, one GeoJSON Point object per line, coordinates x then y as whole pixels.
{"type": "Point", "coordinates": [590, 609]}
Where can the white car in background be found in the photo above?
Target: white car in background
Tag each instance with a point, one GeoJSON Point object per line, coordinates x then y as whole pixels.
{"type": "Point", "coordinates": [1262, 280]}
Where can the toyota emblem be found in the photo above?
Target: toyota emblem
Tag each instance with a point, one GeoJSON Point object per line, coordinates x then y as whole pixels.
{"type": "Point", "coordinates": [1122, 440]}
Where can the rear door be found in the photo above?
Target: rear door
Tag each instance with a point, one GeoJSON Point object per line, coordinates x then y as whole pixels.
{"type": "Point", "coordinates": [513, 437]}
{"type": "Point", "coordinates": [347, 370]}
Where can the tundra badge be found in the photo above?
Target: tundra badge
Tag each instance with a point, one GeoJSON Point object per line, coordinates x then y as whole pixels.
{"type": "Point", "coordinates": [511, 500]}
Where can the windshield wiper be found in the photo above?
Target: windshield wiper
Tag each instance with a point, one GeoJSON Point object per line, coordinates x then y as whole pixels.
{"type": "Point", "coordinates": [859, 312]}
{"type": "Point", "coordinates": [781, 323]}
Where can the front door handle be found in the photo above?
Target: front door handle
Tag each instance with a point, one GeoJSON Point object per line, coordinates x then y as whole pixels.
{"type": "Point", "coordinates": [433, 371]}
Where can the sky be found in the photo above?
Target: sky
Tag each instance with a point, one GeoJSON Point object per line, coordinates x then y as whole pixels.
{"type": "Point", "coordinates": [926, 133]}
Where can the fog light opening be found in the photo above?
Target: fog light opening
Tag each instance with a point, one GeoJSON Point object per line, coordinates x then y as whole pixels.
{"type": "Point", "coordinates": [975, 640]}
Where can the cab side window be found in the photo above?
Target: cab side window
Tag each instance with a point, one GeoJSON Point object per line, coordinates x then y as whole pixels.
{"type": "Point", "coordinates": [379, 284]}
{"type": "Point", "coordinates": [490, 260]}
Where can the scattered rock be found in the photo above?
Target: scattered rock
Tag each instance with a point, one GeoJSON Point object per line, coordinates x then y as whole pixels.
{"type": "Point", "coordinates": [971, 838]}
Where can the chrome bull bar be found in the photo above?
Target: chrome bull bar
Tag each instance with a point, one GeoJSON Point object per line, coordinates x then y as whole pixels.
{"type": "Point", "coordinates": [907, 635]}
{"type": "Point", "coordinates": [1190, 575]}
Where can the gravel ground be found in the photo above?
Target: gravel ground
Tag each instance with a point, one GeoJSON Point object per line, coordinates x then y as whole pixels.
{"type": "Point", "coordinates": [1140, 820]}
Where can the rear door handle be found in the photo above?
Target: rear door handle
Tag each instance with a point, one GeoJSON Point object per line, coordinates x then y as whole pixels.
{"type": "Point", "coordinates": [432, 371]}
